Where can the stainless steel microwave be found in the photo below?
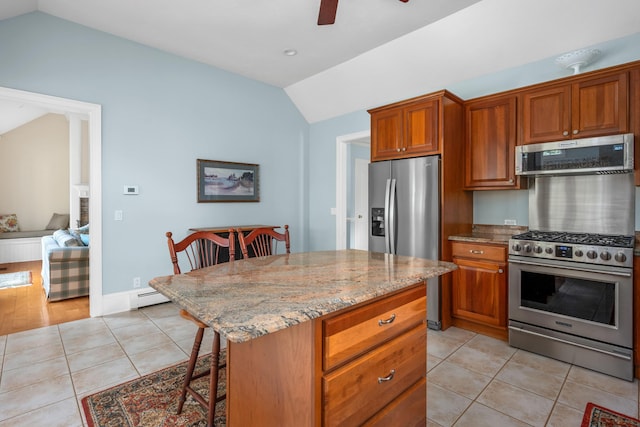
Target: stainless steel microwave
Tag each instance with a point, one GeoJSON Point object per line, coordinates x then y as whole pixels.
{"type": "Point", "coordinates": [600, 155]}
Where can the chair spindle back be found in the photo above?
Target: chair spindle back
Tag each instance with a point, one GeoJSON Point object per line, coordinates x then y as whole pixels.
{"type": "Point", "coordinates": [201, 249]}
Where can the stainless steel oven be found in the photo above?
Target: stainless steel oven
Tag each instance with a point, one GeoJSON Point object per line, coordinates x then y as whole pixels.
{"type": "Point", "coordinates": [576, 312]}
{"type": "Point", "coordinates": [571, 274]}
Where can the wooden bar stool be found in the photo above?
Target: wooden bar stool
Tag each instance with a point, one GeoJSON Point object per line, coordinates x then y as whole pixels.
{"type": "Point", "coordinates": [201, 249]}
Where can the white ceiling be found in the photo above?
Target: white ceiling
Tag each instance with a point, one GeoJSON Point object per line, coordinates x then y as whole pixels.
{"type": "Point", "coordinates": [378, 51]}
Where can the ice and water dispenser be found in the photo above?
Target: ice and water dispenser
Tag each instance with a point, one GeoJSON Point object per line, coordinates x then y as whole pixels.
{"type": "Point", "coordinates": [377, 221]}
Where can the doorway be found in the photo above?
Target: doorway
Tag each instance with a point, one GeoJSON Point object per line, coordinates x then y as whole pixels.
{"type": "Point", "coordinates": [93, 114]}
{"type": "Point", "coordinates": [352, 150]}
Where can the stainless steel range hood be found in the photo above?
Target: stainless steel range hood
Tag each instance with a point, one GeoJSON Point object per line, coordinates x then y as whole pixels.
{"type": "Point", "coordinates": [602, 155]}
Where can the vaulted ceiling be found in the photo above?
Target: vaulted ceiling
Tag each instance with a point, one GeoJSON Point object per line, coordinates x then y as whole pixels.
{"type": "Point", "coordinates": [378, 51]}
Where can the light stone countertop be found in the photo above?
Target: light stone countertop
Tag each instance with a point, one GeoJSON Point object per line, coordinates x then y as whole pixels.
{"type": "Point", "coordinates": [245, 299]}
{"type": "Point", "coordinates": [488, 233]}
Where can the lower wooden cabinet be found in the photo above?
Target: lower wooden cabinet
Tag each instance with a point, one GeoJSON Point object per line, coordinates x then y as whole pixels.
{"type": "Point", "coordinates": [374, 358]}
{"type": "Point", "coordinates": [479, 291]}
{"type": "Point", "coordinates": [364, 365]}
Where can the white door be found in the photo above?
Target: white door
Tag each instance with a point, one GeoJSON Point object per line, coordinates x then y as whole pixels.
{"type": "Point", "coordinates": [361, 194]}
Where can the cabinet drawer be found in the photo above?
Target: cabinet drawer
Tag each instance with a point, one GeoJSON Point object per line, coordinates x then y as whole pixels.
{"type": "Point", "coordinates": [348, 335]}
{"type": "Point", "coordinates": [478, 251]}
{"type": "Point", "coordinates": [357, 391]}
{"type": "Point", "coordinates": [408, 410]}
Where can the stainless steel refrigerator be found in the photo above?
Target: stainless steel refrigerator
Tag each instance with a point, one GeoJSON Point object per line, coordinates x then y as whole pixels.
{"type": "Point", "coordinates": [404, 215]}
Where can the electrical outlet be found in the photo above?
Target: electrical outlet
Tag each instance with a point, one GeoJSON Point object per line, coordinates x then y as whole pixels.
{"type": "Point", "coordinates": [509, 222]}
{"type": "Point", "coordinates": [136, 282]}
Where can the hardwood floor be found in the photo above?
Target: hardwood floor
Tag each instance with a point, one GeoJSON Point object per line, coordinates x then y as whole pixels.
{"type": "Point", "coordinates": [27, 308]}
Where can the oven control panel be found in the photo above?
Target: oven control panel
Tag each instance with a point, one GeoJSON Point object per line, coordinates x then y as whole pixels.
{"type": "Point", "coordinates": [590, 254]}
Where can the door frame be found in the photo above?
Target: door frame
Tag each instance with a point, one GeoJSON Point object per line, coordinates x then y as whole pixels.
{"type": "Point", "coordinates": [93, 113]}
{"type": "Point", "coordinates": [359, 138]}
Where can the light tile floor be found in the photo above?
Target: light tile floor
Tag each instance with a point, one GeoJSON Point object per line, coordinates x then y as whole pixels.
{"type": "Point", "coordinates": [47, 371]}
{"type": "Point", "coordinates": [472, 380]}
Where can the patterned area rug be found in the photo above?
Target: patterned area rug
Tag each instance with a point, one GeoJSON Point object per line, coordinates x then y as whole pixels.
{"type": "Point", "coordinates": [597, 416]}
{"type": "Point", "coordinates": [152, 400]}
{"type": "Point", "coordinates": [15, 280]}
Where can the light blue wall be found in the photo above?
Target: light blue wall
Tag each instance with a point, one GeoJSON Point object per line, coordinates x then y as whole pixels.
{"type": "Point", "coordinates": [159, 114]}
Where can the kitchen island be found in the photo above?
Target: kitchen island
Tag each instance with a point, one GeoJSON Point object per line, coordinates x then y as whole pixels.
{"type": "Point", "coordinates": [319, 338]}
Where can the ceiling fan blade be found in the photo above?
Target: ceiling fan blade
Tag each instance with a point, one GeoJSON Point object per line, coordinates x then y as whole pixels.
{"type": "Point", "coordinates": [328, 10]}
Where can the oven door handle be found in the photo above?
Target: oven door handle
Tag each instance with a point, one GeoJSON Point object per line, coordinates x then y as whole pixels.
{"type": "Point", "coordinates": [610, 353]}
{"type": "Point", "coordinates": [565, 267]}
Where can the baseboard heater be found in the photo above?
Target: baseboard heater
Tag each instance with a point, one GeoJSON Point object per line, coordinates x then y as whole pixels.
{"type": "Point", "coordinates": [146, 298]}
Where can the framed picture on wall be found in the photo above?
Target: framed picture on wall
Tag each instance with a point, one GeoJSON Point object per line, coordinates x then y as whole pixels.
{"type": "Point", "coordinates": [220, 181]}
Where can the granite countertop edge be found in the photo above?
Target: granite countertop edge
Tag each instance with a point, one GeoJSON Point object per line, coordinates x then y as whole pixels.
{"type": "Point", "coordinates": [300, 309]}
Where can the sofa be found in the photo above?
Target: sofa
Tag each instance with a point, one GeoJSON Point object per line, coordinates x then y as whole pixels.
{"type": "Point", "coordinates": [65, 266]}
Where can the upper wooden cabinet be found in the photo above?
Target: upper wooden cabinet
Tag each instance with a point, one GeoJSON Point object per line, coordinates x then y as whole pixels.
{"type": "Point", "coordinates": [490, 141]}
{"type": "Point", "coordinates": [406, 129]}
{"type": "Point", "coordinates": [578, 109]}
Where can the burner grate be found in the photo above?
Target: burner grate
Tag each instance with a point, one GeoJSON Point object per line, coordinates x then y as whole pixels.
{"type": "Point", "coordinates": [578, 238]}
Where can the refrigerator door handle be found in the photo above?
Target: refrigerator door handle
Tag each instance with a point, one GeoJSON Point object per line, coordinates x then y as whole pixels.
{"type": "Point", "coordinates": [387, 190]}
{"type": "Point", "coordinates": [392, 218]}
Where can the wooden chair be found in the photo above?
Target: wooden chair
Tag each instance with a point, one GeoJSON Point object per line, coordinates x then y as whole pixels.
{"type": "Point", "coordinates": [262, 241]}
{"type": "Point", "coordinates": [201, 249]}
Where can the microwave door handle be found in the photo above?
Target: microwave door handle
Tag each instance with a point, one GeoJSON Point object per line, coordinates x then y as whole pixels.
{"type": "Point", "coordinates": [387, 247]}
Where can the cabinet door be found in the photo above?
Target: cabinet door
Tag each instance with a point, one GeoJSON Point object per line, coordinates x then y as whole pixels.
{"type": "Point", "coordinates": [421, 130]}
{"type": "Point", "coordinates": [479, 292]}
{"type": "Point", "coordinates": [599, 106]}
{"type": "Point", "coordinates": [490, 144]}
{"type": "Point", "coordinates": [386, 134]}
{"type": "Point", "coordinates": [546, 114]}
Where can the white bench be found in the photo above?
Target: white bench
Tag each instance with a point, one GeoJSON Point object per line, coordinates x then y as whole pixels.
{"type": "Point", "coordinates": [21, 246]}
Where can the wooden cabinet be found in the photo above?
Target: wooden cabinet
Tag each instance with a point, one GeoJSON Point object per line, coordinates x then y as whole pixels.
{"type": "Point", "coordinates": [407, 129]}
{"type": "Point", "coordinates": [634, 116]}
{"type": "Point", "coordinates": [479, 294]}
{"type": "Point", "coordinates": [373, 358]}
{"type": "Point", "coordinates": [490, 141]}
{"type": "Point", "coordinates": [386, 134]}
{"type": "Point", "coordinates": [364, 365]}
{"type": "Point", "coordinates": [577, 109]}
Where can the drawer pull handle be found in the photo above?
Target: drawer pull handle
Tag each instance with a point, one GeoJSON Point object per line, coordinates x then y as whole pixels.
{"type": "Point", "coordinates": [475, 251]}
{"type": "Point", "coordinates": [387, 378]}
{"type": "Point", "coordinates": [386, 322]}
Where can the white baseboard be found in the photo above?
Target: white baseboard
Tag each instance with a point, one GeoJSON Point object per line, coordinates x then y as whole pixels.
{"type": "Point", "coordinates": [130, 300]}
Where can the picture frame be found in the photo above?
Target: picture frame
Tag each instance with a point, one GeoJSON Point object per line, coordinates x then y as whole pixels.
{"type": "Point", "coordinates": [220, 181]}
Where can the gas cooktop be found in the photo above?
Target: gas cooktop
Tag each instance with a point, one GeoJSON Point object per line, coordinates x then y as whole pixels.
{"type": "Point", "coordinates": [578, 238]}
{"type": "Point", "coordinates": [589, 248]}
